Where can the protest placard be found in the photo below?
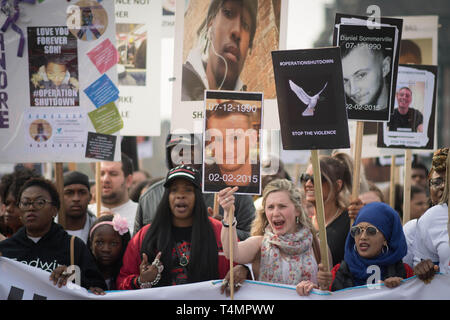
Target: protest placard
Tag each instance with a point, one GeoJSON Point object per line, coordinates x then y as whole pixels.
{"type": "Point", "coordinates": [138, 33]}
{"type": "Point", "coordinates": [232, 141]}
{"type": "Point", "coordinates": [412, 124]}
{"type": "Point", "coordinates": [205, 58]}
{"type": "Point", "coordinates": [48, 121]}
{"type": "Point", "coordinates": [370, 53]}
{"type": "Point", "coordinates": [311, 101]}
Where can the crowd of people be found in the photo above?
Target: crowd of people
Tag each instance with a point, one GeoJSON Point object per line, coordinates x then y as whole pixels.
{"type": "Point", "coordinates": [169, 234]}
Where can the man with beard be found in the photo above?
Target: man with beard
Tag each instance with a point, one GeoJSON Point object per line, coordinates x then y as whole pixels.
{"type": "Point", "coordinates": [76, 199]}
{"type": "Point", "coordinates": [365, 72]}
{"type": "Point", "coordinates": [226, 35]}
{"type": "Point", "coordinates": [116, 178]}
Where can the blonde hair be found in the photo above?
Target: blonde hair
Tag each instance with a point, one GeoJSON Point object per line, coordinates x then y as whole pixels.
{"type": "Point", "coordinates": [260, 223]}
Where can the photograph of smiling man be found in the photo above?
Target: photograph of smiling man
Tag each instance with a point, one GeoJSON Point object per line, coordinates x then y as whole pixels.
{"type": "Point", "coordinates": [412, 124]}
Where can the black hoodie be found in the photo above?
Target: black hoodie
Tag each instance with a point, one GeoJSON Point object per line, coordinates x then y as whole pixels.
{"type": "Point", "coordinates": [51, 251]}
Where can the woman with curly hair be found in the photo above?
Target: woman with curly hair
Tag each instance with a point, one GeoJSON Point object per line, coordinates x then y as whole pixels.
{"type": "Point", "coordinates": [432, 252]}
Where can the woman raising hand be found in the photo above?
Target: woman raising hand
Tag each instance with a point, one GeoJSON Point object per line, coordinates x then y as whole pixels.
{"type": "Point", "coordinates": [281, 246]}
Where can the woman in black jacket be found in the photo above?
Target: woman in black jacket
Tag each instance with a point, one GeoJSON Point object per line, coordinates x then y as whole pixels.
{"type": "Point", "coordinates": [44, 244]}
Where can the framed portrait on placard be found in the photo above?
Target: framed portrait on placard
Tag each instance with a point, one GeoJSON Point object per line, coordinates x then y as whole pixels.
{"type": "Point", "coordinates": [412, 122]}
{"type": "Point", "coordinates": [232, 141]}
{"type": "Point", "coordinates": [370, 53]}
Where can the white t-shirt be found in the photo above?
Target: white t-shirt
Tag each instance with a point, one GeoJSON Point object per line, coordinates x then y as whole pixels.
{"type": "Point", "coordinates": [83, 234]}
{"type": "Point", "coordinates": [34, 239]}
{"type": "Point", "coordinates": [409, 229]}
{"type": "Point", "coordinates": [127, 211]}
{"type": "Point", "coordinates": [432, 240]}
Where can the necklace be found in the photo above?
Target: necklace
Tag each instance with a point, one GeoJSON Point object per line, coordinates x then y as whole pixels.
{"type": "Point", "coordinates": [183, 260]}
{"type": "Point", "coordinates": [334, 217]}
{"type": "Point", "coordinates": [314, 218]}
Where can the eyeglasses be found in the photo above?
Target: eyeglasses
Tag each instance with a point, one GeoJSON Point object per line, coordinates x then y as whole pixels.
{"type": "Point", "coordinates": [37, 204]}
{"type": "Point", "coordinates": [305, 177]}
{"type": "Point", "coordinates": [357, 231]}
{"type": "Point", "coordinates": [437, 182]}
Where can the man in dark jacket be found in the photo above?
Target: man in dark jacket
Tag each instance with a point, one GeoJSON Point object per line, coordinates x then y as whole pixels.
{"type": "Point", "coordinates": [176, 147]}
{"type": "Point", "coordinates": [76, 199]}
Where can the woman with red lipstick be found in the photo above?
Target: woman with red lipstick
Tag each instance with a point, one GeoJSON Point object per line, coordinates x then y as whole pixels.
{"type": "Point", "coordinates": [108, 240]}
{"type": "Point", "coordinates": [281, 246]}
{"type": "Point", "coordinates": [181, 245]}
{"type": "Point", "coordinates": [431, 244]}
{"type": "Point", "coordinates": [374, 250]}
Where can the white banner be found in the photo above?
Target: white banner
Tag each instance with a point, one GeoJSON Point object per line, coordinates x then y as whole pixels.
{"type": "Point", "coordinates": [22, 282]}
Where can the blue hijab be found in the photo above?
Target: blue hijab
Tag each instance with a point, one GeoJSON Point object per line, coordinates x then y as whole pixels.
{"type": "Point", "coordinates": [388, 222]}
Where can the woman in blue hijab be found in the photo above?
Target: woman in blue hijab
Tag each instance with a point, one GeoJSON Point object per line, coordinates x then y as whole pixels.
{"type": "Point", "coordinates": [374, 249]}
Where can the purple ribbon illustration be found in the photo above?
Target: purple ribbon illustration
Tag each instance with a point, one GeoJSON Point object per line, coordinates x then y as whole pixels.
{"type": "Point", "coordinates": [11, 21]}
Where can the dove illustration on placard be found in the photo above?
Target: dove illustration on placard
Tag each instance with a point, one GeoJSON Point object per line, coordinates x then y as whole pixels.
{"type": "Point", "coordinates": [310, 101]}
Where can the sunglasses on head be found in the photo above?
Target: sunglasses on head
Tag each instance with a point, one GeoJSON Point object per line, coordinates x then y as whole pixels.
{"type": "Point", "coordinates": [305, 177]}
{"type": "Point", "coordinates": [357, 231]}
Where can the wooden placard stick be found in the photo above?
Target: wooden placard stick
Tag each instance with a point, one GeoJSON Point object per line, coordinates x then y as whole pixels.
{"type": "Point", "coordinates": [98, 189]}
{"type": "Point", "coordinates": [357, 161]}
{"type": "Point", "coordinates": [216, 206]}
{"type": "Point", "coordinates": [60, 187]}
{"type": "Point", "coordinates": [320, 212]}
{"type": "Point", "coordinates": [230, 239]}
{"type": "Point", "coordinates": [297, 173]}
{"type": "Point", "coordinates": [392, 183]}
{"type": "Point", "coordinates": [48, 170]}
{"type": "Point", "coordinates": [407, 187]}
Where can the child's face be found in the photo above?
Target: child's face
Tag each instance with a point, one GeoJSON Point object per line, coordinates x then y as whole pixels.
{"type": "Point", "coordinates": [56, 73]}
{"type": "Point", "coordinates": [106, 245]}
